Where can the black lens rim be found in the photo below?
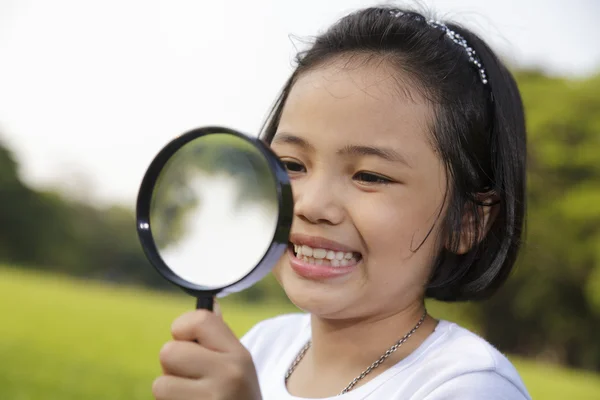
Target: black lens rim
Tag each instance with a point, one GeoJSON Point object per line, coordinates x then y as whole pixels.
{"type": "Point", "coordinates": [279, 242]}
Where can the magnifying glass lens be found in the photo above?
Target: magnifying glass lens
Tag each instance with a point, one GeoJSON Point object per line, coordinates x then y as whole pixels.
{"type": "Point", "coordinates": [214, 212]}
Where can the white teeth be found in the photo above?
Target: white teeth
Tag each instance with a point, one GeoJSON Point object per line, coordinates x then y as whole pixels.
{"type": "Point", "coordinates": [326, 257]}
{"type": "Point", "coordinates": [328, 263]}
{"type": "Point", "coordinates": [307, 251]}
{"type": "Point", "coordinates": [319, 253]}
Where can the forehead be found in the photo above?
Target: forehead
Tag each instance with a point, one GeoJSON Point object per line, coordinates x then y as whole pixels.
{"type": "Point", "coordinates": [371, 103]}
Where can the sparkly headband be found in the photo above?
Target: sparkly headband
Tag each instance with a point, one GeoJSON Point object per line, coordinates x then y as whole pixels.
{"type": "Point", "coordinates": [459, 40]}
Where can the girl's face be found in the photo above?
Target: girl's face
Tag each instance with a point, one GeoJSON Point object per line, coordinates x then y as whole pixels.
{"type": "Point", "coordinates": [368, 188]}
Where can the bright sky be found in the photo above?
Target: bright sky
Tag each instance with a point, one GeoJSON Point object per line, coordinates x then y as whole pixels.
{"type": "Point", "coordinates": [91, 90]}
{"type": "Point", "coordinates": [203, 254]}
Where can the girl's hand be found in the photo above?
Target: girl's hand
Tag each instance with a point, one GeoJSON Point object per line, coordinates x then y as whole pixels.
{"type": "Point", "coordinates": [217, 366]}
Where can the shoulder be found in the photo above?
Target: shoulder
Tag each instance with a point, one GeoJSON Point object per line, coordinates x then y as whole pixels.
{"type": "Point", "coordinates": [274, 337]}
{"type": "Point", "coordinates": [464, 351]}
{"type": "Point", "coordinates": [467, 366]}
{"type": "Point", "coordinates": [488, 385]}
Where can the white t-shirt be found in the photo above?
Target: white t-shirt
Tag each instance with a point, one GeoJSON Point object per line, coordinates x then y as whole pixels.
{"type": "Point", "coordinates": [451, 364]}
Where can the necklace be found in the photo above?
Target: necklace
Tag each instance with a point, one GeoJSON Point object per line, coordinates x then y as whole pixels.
{"type": "Point", "coordinates": [376, 364]}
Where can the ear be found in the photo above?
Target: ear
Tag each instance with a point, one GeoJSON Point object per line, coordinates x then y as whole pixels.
{"type": "Point", "coordinates": [487, 207]}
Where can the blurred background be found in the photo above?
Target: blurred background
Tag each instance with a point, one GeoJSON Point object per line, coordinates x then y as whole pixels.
{"type": "Point", "coordinates": [91, 90]}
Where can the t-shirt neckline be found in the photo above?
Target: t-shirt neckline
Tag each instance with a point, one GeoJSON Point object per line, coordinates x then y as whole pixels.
{"type": "Point", "coordinates": [361, 391]}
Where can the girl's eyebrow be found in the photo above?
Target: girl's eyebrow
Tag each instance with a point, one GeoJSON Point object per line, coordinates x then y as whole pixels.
{"type": "Point", "coordinates": [385, 153]}
{"type": "Point", "coordinates": [288, 138]}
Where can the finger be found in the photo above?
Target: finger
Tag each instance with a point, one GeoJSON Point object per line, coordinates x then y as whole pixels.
{"type": "Point", "coordinates": [207, 328]}
{"type": "Point", "coordinates": [186, 359]}
{"type": "Point", "coordinates": [168, 387]}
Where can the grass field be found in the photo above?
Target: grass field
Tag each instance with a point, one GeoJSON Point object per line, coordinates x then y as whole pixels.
{"type": "Point", "coordinates": [66, 339]}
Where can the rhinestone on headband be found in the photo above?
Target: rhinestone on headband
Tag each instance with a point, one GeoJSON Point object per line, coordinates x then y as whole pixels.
{"type": "Point", "coordinates": [459, 40]}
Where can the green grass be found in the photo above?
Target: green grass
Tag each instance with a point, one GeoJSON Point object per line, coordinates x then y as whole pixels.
{"type": "Point", "coordinates": [67, 339]}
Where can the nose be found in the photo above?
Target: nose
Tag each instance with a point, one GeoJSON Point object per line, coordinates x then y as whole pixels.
{"type": "Point", "coordinates": [317, 200]}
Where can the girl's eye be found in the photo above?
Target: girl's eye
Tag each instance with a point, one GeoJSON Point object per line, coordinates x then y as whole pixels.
{"type": "Point", "coordinates": [369, 178]}
{"type": "Point", "coordinates": [293, 166]}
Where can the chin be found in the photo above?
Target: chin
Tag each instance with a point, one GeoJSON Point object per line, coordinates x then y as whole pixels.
{"type": "Point", "coordinates": [315, 297]}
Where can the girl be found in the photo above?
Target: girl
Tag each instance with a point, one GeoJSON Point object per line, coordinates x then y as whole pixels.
{"type": "Point", "coordinates": [404, 139]}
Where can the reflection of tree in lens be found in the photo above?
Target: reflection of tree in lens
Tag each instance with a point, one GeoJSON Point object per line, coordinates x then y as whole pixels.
{"type": "Point", "coordinates": [172, 200]}
{"type": "Point", "coordinates": [213, 155]}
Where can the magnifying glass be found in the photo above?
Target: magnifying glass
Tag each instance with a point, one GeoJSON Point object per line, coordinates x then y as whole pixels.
{"type": "Point", "coordinates": [214, 212]}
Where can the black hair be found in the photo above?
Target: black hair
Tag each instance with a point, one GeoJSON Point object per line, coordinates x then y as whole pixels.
{"type": "Point", "coordinates": [478, 130]}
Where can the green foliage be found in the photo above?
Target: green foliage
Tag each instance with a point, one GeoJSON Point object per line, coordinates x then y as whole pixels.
{"type": "Point", "coordinates": [8, 169]}
{"type": "Point", "coordinates": [67, 339]}
{"type": "Point", "coordinates": [550, 307]}
{"type": "Point", "coordinates": [45, 230]}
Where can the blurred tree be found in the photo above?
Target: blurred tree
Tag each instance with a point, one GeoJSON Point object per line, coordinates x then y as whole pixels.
{"type": "Point", "coordinates": [551, 306]}
{"type": "Point", "coordinates": [43, 229]}
{"type": "Point", "coordinates": [27, 219]}
{"type": "Point", "coordinates": [11, 190]}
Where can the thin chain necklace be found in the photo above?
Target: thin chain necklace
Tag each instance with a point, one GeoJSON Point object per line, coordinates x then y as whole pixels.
{"type": "Point", "coordinates": [376, 364]}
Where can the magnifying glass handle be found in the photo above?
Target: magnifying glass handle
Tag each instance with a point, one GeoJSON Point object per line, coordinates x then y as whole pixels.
{"type": "Point", "coordinates": [204, 302]}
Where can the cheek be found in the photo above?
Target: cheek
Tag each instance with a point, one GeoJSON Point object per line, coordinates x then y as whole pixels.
{"type": "Point", "coordinates": [276, 271]}
{"type": "Point", "coordinates": [392, 228]}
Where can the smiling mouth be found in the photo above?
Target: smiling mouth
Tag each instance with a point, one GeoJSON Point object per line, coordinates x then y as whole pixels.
{"type": "Point", "coordinates": [324, 257]}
